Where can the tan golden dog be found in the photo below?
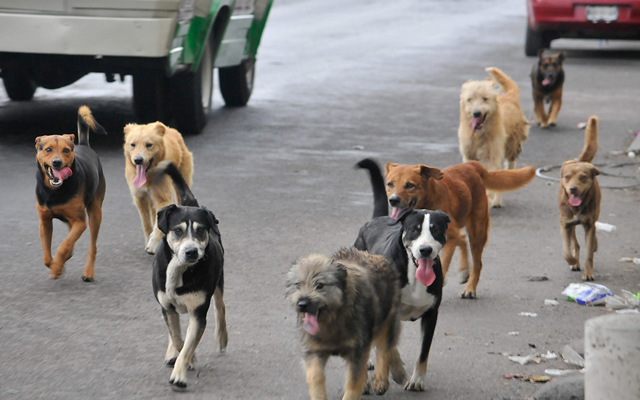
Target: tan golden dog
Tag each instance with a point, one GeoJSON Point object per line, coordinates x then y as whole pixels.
{"type": "Point", "coordinates": [579, 202]}
{"type": "Point", "coordinates": [459, 191]}
{"type": "Point", "coordinates": [492, 125]}
{"type": "Point", "coordinates": [144, 147]}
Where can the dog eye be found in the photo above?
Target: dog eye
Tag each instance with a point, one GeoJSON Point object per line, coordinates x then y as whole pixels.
{"type": "Point", "coordinates": [409, 185]}
{"type": "Point", "coordinates": [178, 231]}
{"type": "Point", "coordinates": [484, 99]}
{"type": "Point", "coordinates": [390, 184]}
{"type": "Point", "coordinates": [149, 145]}
{"type": "Point", "coordinates": [66, 151]}
{"type": "Point", "coordinates": [48, 149]}
{"type": "Point", "coordinates": [319, 286]}
{"type": "Point", "coordinates": [133, 145]}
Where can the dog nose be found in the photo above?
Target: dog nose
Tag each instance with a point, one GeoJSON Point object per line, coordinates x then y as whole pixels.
{"type": "Point", "coordinates": [56, 163]}
{"type": "Point", "coordinates": [394, 201]}
{"type": "Point", "coordinates": [192, 254]}
{"type": "Point", "coordinates": [138, 160]}
{"type": "Point", "coordinates": [477, 114]}
{"type": "Point", "coordinates": [426, 251]}
{"type": "Point", "coordinates": [573, 190]}
{"type": "Point", "coordinates": [302, 305]}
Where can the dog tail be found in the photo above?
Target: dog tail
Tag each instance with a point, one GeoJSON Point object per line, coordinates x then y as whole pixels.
{"type": "Point", "coordinates": [184, 193]}
{"type": "Point", "coordinates": [508, 85]}
{"type": "Point", "coordinates": [590, 140]}
{"type": "Point", "coordinates": [87, 123]}
{"type": "Point", "coordinates": [380, 205]}
{"type": "Point", "coordinates": [505, 180]}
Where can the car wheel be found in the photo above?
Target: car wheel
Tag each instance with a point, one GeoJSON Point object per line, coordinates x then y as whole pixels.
{"type": "Point", "coordinates": [150, 96]}
{"type": "Point", "coordinates": [534, 42]}
{"type": "Point", "coordinates": [19, 85]}
{"type": "Point", "coordinates": [236, 83]}
{"type": "Point", "coordinates": [192, 92]}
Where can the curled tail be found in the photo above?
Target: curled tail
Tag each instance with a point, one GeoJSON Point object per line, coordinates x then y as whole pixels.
{"type": "Point", "coordinates": [590, 140]}
{"type": "Point", "coordinates": [508, 85]}
{"type": "Point", "coordinates": [87, 123]}
{"type": "Point", "coordinates": [184, 193]}
{"type": "Point", "coordinates": [505, 180]}
{"type": "Point", "coordinates": [380, 206]}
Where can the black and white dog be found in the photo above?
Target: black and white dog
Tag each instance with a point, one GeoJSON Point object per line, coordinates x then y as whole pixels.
{"type": "Point", "coordinates": [413, 243]}
{"type": "Point", "coordinates": [187, 272]}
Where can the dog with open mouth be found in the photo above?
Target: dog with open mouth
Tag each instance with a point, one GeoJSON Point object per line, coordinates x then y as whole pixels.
{"type": "Point", "coordinates": [579, 198]}
{"type": "Point", "coordinates": [492, 125]}
{"type": "Point", "coordinates": [412, 241]}
{"type": "Point", "coordinates": [70, 186]}
{"type": "Point", "coordinates": [346, 304]}
{"type": "Point", "coordinates": [145, 146]}
{"type": "Point", "coordinates": [547, 78]}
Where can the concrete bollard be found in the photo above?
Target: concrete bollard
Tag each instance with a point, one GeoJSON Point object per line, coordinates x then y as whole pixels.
{"type": "Point", "coordinates": [612, 353]}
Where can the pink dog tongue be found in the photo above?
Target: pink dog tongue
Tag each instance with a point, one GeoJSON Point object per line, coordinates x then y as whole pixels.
{"type": "Point", "coordinates": [425, 273]}
{"type": "Point", "coordinates": [546, 81]}
{"type": "Point", "coordinates": [141, 176]}
{"type": "Point", "coordinates": [574, 200]}
{"type": "Point", "coordinates": [62, 174]}
{"type": "Point", "coordinates": [311, 324]}
{"type": "Point", "coordinates": [394, 212]}
{"type": "Point", "coordinates": [475, 123]}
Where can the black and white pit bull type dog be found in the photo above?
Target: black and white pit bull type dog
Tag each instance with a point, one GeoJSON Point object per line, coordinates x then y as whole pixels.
{"type": "Point", "coordinates": [413, 243]}
{"type": "Point", "coordinates": [187, 272]}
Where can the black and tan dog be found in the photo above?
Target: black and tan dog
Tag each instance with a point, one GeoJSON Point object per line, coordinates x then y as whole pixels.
{"type": "Point", "coordinates": [187, 273]}
{"type": "Point", "coordinates": [346, 304]}
{"type": "Point", "coordinates": [547, 78]}
{"type": "Point", "coordinates": [412, 243]}
{"type": "Point", "coordinates": [579, 201]}
{"type": "Point", "coordinates": [70, 185]}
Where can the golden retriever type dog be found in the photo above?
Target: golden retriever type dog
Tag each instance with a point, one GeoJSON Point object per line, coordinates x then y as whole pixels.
{"type": "Point", "coordinates": [144, 147]}
{"type": "Point", "coordinates": [579, 201]}
{"type": "Point", "coordinates": [346, 304]}
{"type": "Point", "coordinates": [459, 191]}
{"type": "Point", "coordinates": [492, 125]}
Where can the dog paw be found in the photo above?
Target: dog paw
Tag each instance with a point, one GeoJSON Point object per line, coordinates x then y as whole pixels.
{"type": "Point", "coordinates": [178, 386]}
{"type": "Point", "coordinates": [587, 277]}
{"type": "Point", "coordinates": [468, 294]}
{"type": "Point", "coordinates": [179, 380]}
{"type": "Point", "coordinates": [380, 386]}
{"type": "Point", "coordinates": [552, 124]}
{"type": "Point", "coordinates": [87, 279]}
{"type": "Point", "coordinates": [575, 267]}
{"type": "Point", "coordinates": [367, 387]}
{"type": "Point", "coordinates": [415, 384]}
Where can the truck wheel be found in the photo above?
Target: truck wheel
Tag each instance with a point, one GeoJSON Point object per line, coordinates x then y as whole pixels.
{"type": "Point", "coordinates": [150, 96]}
{"type": "Point", "coordinates": [19, 85]}
{"type": "Point", "coordinates": [236, 83]}
{"type": "Point", "coordinates": [534, 42]}
{"type": "Point", "coordinates": [192, 91]}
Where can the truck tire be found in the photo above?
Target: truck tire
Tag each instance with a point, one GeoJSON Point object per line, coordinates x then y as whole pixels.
{"type": "Point", "coordinates": [192, 91]}
{"type": "Point", "coordinates": [19, 85]}
{"type": "Point", "coordinates": [534, 42]}
{"type": "Point", "coordinates": [236, 83]}
{"type": "Point", "coordinates": [151, 97]}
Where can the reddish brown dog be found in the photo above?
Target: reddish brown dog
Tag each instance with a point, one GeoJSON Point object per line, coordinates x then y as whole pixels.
{"type": "Point", "coordinates": [70, 185]}
{"type": "Point", "coordinates": [459, 191]}
{"type": "Point", "coordinates": [579, 201]}
{"type": "Point", "coordinates": [547, 78]}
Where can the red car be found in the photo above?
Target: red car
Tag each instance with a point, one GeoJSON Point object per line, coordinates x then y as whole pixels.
{"type": "Point", "coordinates": [588, 19]}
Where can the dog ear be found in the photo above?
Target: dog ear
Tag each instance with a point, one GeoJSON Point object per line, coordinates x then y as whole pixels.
{"type": "Point", "coordinates": [127, 129]}
{"type": "Point", "coordinates": [71, 138]}
{"type": "Point", "coordinates": [389, 166]}
{"type": "Point", "coordinates": [594, 171]}
{"type": "Point", "coordinates": [403, 215]}
{"type": "Point", "coordinates": [160, 128]}
{"type": "Point", "coordinates": [341, 275]}
{"type": "Point", "coordinates": [430, 172]}
{"type": "Point", "coordinates": [540, 53]}
{"type": "Point", "coordinates": [444, 215]}
{"type": "Point", "coordinates": [38, 142]}
{"type": "Point", "coordinates": [163, 217]}
{"type": "Point", "coordinates": [562, 55]}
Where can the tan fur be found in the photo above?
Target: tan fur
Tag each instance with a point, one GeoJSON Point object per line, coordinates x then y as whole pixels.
{"type": "Point", "coordinates": [459, 191]}
{"type": "Point", "coordinates": [498, 143]}
{"type": "Point", "coordinates": [552, 93]}
{"type": "Point", "coordinates": [166, 144]}
{"type": "Point", "coordinates": [578, 177]}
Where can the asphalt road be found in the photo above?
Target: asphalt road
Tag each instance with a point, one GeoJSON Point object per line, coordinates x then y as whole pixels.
{"type": "Point", "coordinates": [336, 82]}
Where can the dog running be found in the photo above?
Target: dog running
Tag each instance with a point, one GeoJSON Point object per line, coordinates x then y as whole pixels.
{"type": "Point", "coordinates": [460, 192]}
{"type": "Point", "coordinates": [187, 273]}
{"type": "Point", "coordinates": [412, 243]}
{"type": "Point", "coordinates": [492, 125]}
{"type": "Point", "coordinates": [145, 146]}
{"type": "Point", "coordinates": [346, 304]}
{"type": "Point", "coordinates": [579, 202]}
{"type": "Point", "coordinates": [69, 186]}
{"type": "Point", "coordinates": [547, 78]}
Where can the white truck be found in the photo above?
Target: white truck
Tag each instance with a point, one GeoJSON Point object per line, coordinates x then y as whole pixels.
{"type": "Point", "coordinates": [169, 47]}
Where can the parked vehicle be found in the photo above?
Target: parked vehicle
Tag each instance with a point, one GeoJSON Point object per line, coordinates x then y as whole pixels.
{"type": "Point", "coordinates": [591, 19]}
{"type": "Point", "coordinates": [169, 47]}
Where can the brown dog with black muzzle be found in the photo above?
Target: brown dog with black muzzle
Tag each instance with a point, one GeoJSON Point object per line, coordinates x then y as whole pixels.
{"type": "Point", "coordinates": [579, 201]}
{"type": "Point", "coordinates": [547, 78]}
{"type": "Point", "coordinates": [70, 186]}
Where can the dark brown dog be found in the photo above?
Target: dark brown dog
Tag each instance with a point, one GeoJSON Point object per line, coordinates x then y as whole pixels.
{"type": "Point", "coordinates": [70, 186]}
{"type": "Point", "coordinates": [459, 191]}
{"type": "Point", "coordinates": [547, 78]}
{"type": "Point", "coordinates": [346, 304]}
{"type": "Point", "coordinates": [579, 202]}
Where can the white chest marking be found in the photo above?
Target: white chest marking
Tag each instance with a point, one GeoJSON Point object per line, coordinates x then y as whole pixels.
{"type": "Point", "coordinates": [415, 300]}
